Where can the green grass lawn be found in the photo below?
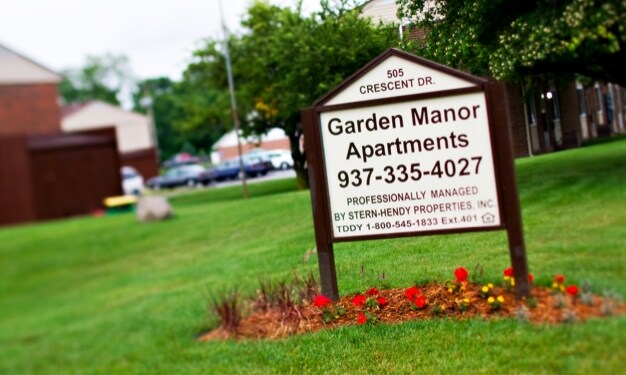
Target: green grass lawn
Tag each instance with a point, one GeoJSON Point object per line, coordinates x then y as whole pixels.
{"type": "Point", "coordinates": [112, 296]}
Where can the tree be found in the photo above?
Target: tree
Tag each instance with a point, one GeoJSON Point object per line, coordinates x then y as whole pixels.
{"type": "Point", "coordinates": [101, 78]}
{"type": "Point", "coordinates": [159, 93]}
{"type": "Point", "coordinates": [520, 38]}
{"type": "Point", "coordinates": [178, 109]}
{"type": "Point", "coordinates": [284, 61]}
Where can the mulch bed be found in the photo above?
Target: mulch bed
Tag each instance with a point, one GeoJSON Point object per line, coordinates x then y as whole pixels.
{"type": "Point", "coordinates": [544, 307]}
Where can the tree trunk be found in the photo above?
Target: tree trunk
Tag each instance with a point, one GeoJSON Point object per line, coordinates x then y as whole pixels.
{"type": "Point", "coordinates": [299, 160]}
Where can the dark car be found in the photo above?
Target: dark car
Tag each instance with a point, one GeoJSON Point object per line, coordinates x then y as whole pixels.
{"type": "Point", "coordinates": [252, 165]}
{"type": "Point", "coordinates": [184, 175]}
{"type": "Point", "coordinates": [256, 166]}
{"type": "Point", "coordinates": [205, 177]}
{"type": "Point", "coordinates": [228, 170]}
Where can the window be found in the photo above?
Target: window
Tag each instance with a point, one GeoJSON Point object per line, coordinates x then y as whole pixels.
{"type": "Point", "coordinates": [531, 110]}
{"type": "Point", "coordinates": [553, 99]}
{"type": "Point", "coordinates": [556, 111]}
{"type": "Point", "coordinates": [598, 97]}
{"type": "Point", "coordinates": [582, 106]}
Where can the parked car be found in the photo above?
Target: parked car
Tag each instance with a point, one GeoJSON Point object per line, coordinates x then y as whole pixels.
{"type": "Point", "coordinates": [180, 159]}
{"type": "Point", "coordinates": [252, 165]}
{"type": "Point", "coordinates": [255, 165]}
{"type": "Point", "coordinates": [184, 175]}
{"type": "Point", "coordinates": [132, 181]}
{"type": "Point", "coordinates": [227, 170]}
{"type": "Point", "coordinates": [276, 159]}
{"type": "Point", "coordinates": [280, 159]}
{"type": "Point", "coordinates": [205, 177]}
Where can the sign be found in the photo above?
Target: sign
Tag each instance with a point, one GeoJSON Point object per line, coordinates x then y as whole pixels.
{"type": "Point", "coordinates": [408, 147]}
{"type": "Point", "coordinates": [413, 166]}
{"type": "Point", "coordinates": [394, 77]}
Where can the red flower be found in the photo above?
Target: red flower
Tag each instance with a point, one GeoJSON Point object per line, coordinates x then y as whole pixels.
{"type": "Point", "coordinates": [358, 300]}
{"type": "Point", "coordinates": [508, 272]}
{"type": "Point", "coordinates": [412, 292]}
{"type": "Point", "coordinates": [321, 301]}
{"type": "Point", "coordinates": [572, 290]}
{"type": "Point", "coordinates": [560, 279]}
{"type": "Point", "coordinates": [372, 291]}
{"type": "Point", "coordinates": [382, 301]}
{"type": "Point", "coordinates": [361, 319]}
{"type": "Point", "coordinates": [531, 277]}
{"type": "Point", "coordinates": [461, 274]}
{"type": "Point", "coordinates": [420, 301]}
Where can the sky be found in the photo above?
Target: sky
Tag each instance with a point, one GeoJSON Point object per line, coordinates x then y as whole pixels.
{"type": "Point", "coordinates": [157, 36]}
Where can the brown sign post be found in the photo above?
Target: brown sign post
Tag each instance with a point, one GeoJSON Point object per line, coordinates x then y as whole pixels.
{"type": "Point", "coordinates": [408, 147]}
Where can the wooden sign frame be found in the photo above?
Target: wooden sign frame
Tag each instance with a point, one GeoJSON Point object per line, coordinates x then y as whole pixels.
{"type": "Point", "coordinates": [501, 150]}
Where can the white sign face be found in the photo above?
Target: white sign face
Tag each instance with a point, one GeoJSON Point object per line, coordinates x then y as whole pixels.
{"type": "Point", "coordinates": [395, 77]}
{"type": "Point", "coordinates": [413, 166]}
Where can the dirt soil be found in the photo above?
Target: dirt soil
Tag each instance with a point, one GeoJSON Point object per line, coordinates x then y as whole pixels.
{"type": "Point", "coordinates": [543, 307]}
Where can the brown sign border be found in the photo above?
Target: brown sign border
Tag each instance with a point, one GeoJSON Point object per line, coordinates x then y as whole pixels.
{"type": "Point", "coordinates": [501, 149]}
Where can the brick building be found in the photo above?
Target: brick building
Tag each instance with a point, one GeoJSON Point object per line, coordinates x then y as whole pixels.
{"type": "Point", "coordinates": [28, 96]}
{"type": "Point", "coordinates": [45, 174]}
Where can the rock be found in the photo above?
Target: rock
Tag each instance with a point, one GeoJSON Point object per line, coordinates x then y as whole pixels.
{"type": "Point", "coordinates": [153, 209]}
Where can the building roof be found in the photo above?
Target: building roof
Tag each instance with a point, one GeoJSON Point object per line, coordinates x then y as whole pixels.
{"type": "Point", "coordinates": [17, 69]}
{"type": "Point", "coordinates": [384, 11]}
{"type": "Point", "coordinates": [229, 139]}
{"type": "Point", "coordinates": [133, 129]}
{"type": "Point", "coordinates": [95, 113]}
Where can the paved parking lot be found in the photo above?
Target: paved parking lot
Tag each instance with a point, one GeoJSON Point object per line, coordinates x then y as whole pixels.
{"type": "Point", "coordinates": [273, 175]}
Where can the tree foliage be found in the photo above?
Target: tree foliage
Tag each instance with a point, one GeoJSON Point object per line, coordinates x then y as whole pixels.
{"type": "Point", "coordinates": [511, 39]}
{"type": "Point", "coordinates": [283, 61]}
{"type": "Point", "coordinates": [178, 112]}
{"type": "Point", "coordinates": [101, 78]}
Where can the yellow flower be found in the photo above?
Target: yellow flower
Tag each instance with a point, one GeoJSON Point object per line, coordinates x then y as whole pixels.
{"type": "Point", "coordinates": [506, 278]}
{"type": "Point", "coordinates": [449, 290]}
{"type": "Point", "coordinates": [491, 300]}
{"type": "Point", "coordinates": [512, 282]}
{"type": "Point", "coordinates": [485, 289]}
{"type": "Point", "coordinates": [265, 108]}
{"type": "Point", "coordinates": [443, 307]}
{"type": "Point", "coordinates": [555, 285]}
{"type": "Point", "coordinates": [466, 300]}
{"type": "Point", "coordinates": [500, 299]}
{"type": "Point", "coordinates": [490, 285]}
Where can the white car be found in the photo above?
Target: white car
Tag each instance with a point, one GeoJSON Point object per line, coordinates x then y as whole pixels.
{"type": "Point", "coordinates": [132, 182]}
{"type": "Point", "coordinates": [280, 159]}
